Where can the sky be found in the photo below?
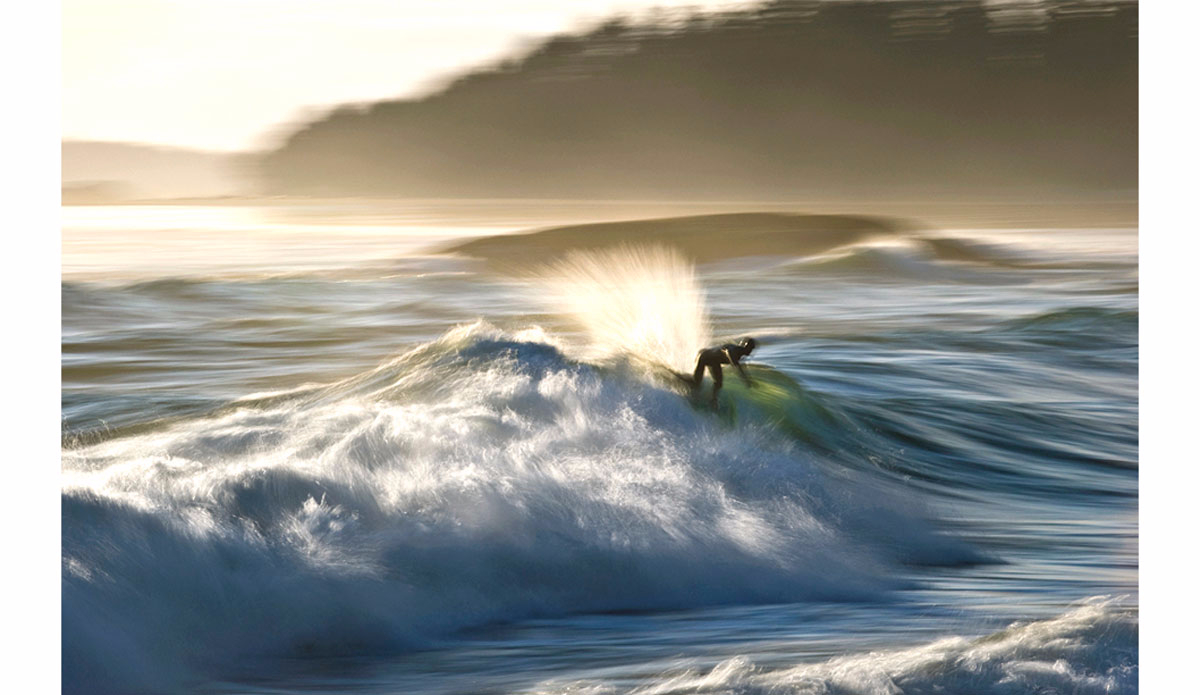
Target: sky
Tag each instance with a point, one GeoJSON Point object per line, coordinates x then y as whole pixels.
{"type": "Point", "coordinates": [232, 74]}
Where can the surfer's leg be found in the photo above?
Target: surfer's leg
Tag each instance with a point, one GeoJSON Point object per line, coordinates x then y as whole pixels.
{"type": "Point", "coordinates": [698, 376]}
{"type": "Point", "coordinates": [718, 379]}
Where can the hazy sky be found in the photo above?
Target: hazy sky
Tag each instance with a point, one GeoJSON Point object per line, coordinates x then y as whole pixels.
{"type": "Point", "coordinates": [224, 74]}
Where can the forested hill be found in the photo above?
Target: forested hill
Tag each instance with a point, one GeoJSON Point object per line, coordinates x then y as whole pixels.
{"type": "Point", "coordinates": [789, 99]}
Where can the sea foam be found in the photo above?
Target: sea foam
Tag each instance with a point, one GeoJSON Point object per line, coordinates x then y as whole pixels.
{"type": "Point", "coordinates": [1091, 649]}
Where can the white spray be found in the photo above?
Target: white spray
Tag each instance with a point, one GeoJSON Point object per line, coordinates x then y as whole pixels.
{"type": "Point", "coordinates": [640, 302]}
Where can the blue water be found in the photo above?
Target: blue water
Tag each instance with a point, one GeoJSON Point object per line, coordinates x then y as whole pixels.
{"type": "Point", "coordinates": [361, 465]}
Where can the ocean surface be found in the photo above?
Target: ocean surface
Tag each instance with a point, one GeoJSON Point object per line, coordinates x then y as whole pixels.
{"type": "Point", "coordinates": [305, 450]}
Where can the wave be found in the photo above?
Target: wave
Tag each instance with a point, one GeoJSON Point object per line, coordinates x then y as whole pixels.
{"type": "Point", "coordinates": [904, 260]}
{"type": "Point", "coordinates": [929, 258]}
{"type": "Point", "coordinates": [484, 476]}
{"type": "Point", "coordinates": [700, 238]}
{"type": "Point", "coordinates": [199, 283]}
{"type": "Point", "coordinates": [900, 248]}
{"type": "Point", "coordinates": [1086, 319]}
{"type": "Point", "coordinates": [970, 251]}
{"type": "Point", "coordinates": [1092, 648]}
{"type": "Point", "coordinates": [1087, 329]}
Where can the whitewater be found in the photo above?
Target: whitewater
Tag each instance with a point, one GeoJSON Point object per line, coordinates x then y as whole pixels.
{"type": "Point", "coordinates": [420, 450]}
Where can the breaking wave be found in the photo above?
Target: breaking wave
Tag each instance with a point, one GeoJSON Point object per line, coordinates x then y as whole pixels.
{"type": "Point", "coordinates": [484, 476]}
{"type": "Point", "coordinates": [1091, 649]}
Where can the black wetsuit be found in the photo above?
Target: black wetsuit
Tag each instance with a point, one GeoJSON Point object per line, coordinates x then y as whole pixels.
{"type": "Point", "coordinates": [712, 358]}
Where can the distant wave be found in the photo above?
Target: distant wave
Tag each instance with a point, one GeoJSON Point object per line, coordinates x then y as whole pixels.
{"type": "Point", "coordinates": [1091, 649]}
{"type": "Point", "coordinates": [484, 476]}
{"type": "Point", "coordinates": [913, 259]}
{"type": "Point", "coordinates": [1077, 327]}
{"type": "Point", "coordinates": [876, 246]}
{"type": "Point", "coordinates": [968, 251]}
{"type": "Point", "coordinates": [701, 238]}
{"type": "Point", "coordinates": [189, 283]}
{"type": "Point", "coordinates": [1079, 319]}
{"type": "Point", "coordinates": [894, 261]}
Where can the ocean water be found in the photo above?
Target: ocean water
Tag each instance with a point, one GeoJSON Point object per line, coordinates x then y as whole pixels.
{"type": "Point", "coordinates": [304, 451]}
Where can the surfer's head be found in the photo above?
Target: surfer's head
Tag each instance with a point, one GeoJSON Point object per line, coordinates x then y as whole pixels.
{"type": "Point", "coordinates": [748, 344]}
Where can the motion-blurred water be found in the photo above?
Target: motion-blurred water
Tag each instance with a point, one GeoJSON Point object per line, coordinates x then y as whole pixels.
{"type": "Point", "coordinates": [306, 453]}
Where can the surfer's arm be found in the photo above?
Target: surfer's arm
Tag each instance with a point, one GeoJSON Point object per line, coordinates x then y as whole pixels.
{"type": "Point", "coordinates": [736, 362]}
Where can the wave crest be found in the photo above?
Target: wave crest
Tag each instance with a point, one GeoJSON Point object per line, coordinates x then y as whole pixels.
{"type": "Point", "coordinates": [1090, 649]}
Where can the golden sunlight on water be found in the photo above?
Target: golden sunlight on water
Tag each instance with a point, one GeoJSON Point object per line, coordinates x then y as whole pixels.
{"type": "Point", "coordinates": [134, 242]}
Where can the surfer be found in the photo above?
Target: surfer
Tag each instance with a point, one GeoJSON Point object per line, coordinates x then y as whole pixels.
{"type": "Point", "coordinates": [714, 357]}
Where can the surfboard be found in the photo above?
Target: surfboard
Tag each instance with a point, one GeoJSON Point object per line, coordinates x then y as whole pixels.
{"type": "Point", "coordinates": [775, 399]}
